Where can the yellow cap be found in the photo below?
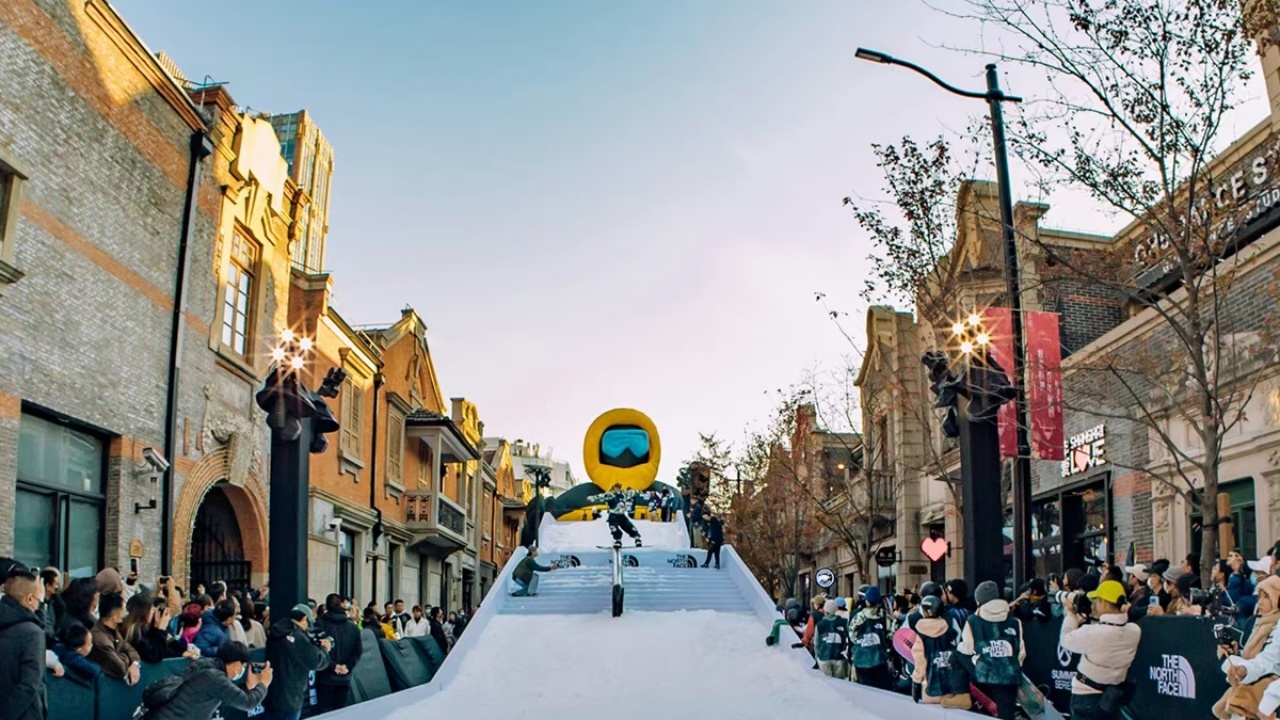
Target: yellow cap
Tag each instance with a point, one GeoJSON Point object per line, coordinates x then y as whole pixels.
{"type": "Point", "coordinates": [1109, 590]}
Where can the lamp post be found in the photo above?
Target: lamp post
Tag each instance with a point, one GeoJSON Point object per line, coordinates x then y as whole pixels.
{"type": "Point", "coordinates": [299, 420]}
{"type": "Point", "coordinates": [995, 98]}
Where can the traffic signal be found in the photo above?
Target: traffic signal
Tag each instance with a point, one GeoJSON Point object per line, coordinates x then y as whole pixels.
{"type": "Point", "coordinates": [946, 388]}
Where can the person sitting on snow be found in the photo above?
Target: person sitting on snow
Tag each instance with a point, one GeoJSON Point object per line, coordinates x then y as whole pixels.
{"type": "Point", "coordinates": [526, 574]}
{"type": "Point", "coordinates": [618, 501]}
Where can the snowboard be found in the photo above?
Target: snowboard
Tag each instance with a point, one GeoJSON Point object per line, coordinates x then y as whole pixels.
{"type": "Point", "coordinates": [905, 638]}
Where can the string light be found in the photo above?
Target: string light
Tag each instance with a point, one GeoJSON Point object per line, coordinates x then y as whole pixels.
{"type": "Point", "coordinates": [958, 328]}
{"type": "Point", "coordinates": [975, 319]}
{"type": "Point", "coordinates": [277, 354]}
{"type": "Point", "coordinates": [305, 344]}
{"type": "Point", "coordinates": [983, 338]}
{"type": "Point", "coordinates": [966, 347]}
{"type": "Point", "coordinates": [287, 335]}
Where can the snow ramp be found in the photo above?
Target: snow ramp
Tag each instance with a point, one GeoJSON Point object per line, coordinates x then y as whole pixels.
{"type": "Point", "coordinates": [691, 643]}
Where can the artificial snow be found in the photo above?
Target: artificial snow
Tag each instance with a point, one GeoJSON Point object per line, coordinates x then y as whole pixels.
{"type": "Point", "coordinates": [636, 667]}
{"type": "Point", "coordinates": [555, 536]}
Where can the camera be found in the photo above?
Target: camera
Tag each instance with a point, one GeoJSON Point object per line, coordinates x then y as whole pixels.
{"type": "Point", "coordinates": [1211, 601]}
{"type": "Point", "coordinates": [155, 459]}
{"type": "Point", "coordinates": [1226, 635]}
{"type": "Point", "coordinates": [317, 635]}
{"type": "Point", "coordinates": [335, 523]}
{"type": "Point", "coordinates": [1077, 600]}
{"type": "Point", "coordinates": [257, 668]}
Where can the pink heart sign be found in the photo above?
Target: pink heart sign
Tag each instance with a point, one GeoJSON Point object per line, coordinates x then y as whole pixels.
{"type": "Point", "coordinates": [935, 548]}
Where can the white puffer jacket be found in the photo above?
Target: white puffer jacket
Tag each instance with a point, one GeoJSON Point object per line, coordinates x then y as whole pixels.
{"type": "Point", "coordinates": [1106, 648]}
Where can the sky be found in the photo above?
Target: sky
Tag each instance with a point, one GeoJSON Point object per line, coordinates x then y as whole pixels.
{"type": "Point", "coordinates": [600, 204]}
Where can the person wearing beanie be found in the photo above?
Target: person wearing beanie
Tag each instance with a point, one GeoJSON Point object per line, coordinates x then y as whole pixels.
{"type": "Point", "coordinates": [1106, 646]}
{"type": "Point", "coordinates": [842, 608]}
{"type": "Point", "coordinates": [994, 642]}
{"type": "Point", "coordinates": [293, 656]}
{"type": "Point", "coordinates": [870, 633]}
{"type": "Point", "coordinates": [832, 642]}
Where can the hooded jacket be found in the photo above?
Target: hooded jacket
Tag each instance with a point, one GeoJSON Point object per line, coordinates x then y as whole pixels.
{"type": "Point", "coordinates": [994, 612]}
{"type": "Point", "coordinates": [21, 662]}
{"type": "Point", "coordinates": [293, 658]}
{"type": "Point", "coordinates": [79, 668]}
{"type": "Point", "coordinates": [1106, 648]}
{"type": "Point", "coordinates": [347, 647]}
{"type": "Point", "coordinates": [204, 689]}
{"type": "Point", "coordinates": [941, 630]}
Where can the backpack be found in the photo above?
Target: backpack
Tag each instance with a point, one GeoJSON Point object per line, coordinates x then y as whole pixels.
{"type": "Point", "coordinates": [162, 691]}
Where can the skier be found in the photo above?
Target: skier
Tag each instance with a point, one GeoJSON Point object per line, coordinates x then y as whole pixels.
{"type": "Point", "coordinates": [619, 501]}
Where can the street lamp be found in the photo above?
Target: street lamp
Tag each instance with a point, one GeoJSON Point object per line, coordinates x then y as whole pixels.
{"type": "Point", "coordinates": [995, 97]}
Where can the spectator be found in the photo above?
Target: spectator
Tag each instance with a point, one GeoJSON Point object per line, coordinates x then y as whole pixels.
{"type": "Point", "coordinates": [525, 574]}
{"type": "Point", "coordinates": [217, 592]}
{"type": "Point", "coordinates": [449, 625]}
{"type": "Point", "coordinates": [418, 626]}
{"type": "Point", "coordinates": [293, 657]}
{"type": "Point", "coordinates": [1239, 586]}
{"type": "Point", "coordinates": [870, 633]}
{"type": "Point", "coordinates": [109, 581]}
{"type": "Point", "coordinates": [667, 503]}
{"type": "Point", "coordinates": [815, 614]}
{"type": "Point", "coordinates": [437, 630]}
{"type": "Point", "coordinates": [73, 652]}
{"type": "Point", "coordinates": [138, 613]}
{"type": "Point", "coordinates": [210, 684]}
{"type": "Point", "coordinates": [373, 623]}
{"type": "Point", "coordinates": [994, 641]}
{"type": "Point", "coordinates": [1190, 566]}
{"type": "Point", "coordinates": [832, 642]}
{"type": "Point", "coordinates": [254, 633]}
{"type": "Point", "coordinates": [940, 680]}
{"type": "Point", "coordinates": [1249, 669]}
{"type": "Point", "coordinates": [52, 607]}
{"type": "Point", "coordinates": [1033, 604]}
{"type": "Point", "coordinates": [111, 651]}
{"type": "Point", "coordinates": [215, 628]}
{"type": "Point", "coordinates": [154, 642]}
{"type": "Point", "coordinates": [401, 618]}
{"type": "Point", "coordinates": [235, 631]}
{"type": "Point", "coordinates": [715, 537]}
{"type": "Point", "coordinates": [22, 646]}
{"type": "Point", "coordinates": [390, 622]}
{"type": "Point", "coordinates": [334, 682]}
{"type": "Point", "coordinates": [959, 605]}
{"type": "Point", "coordinates": [189, 623]}
{"type": "Point", "coordinates": [1139, 592]}
{"type": "Point", "coordinates": [81, 602]}
{"type": "Point", "coordinates": [1106, 647]}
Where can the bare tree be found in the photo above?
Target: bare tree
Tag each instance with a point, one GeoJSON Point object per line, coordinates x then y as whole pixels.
{"type": "Point", "coordinates": [1137, 96]}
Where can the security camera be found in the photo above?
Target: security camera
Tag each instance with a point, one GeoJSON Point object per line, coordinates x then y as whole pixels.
{"type": "Point", "coordinates": [155, 459]}
{"type": "Point", "coordinates": [335, 523]}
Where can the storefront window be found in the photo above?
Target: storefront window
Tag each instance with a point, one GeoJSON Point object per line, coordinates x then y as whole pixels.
{"type": "Point", "coordinates": [59, 498]}
{"type": "Point", "coordinates": [1046, 536]}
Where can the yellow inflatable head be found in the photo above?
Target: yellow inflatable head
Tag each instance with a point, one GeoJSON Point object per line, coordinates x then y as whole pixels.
{"type": "Point", "coordinates": [622, 448]}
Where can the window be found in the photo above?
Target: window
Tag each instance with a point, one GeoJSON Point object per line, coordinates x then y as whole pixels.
{"type": "Point", "coordinates": [347, 563]}
{"type": "Point", "coordinates": [10, 186]}
{"type": "Point", "coordinates": [1244, 521]}
{"type": "Point", "coordinates": [237, 305]}
{"type": "Point", "coordinates": [395, 450]}
{"type": "Point", "coordinates": [60, 497]}
{"type": "Point", "coordinates": [352, 419]}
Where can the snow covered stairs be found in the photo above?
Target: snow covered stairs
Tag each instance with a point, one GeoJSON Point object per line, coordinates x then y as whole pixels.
{"type": "Point", "coordinates": [654, 585]}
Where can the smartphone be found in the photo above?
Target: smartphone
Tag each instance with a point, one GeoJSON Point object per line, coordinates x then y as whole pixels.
{"type": "Point", "coordinates": [257, 668]}
{"type": "Point", "coordinates": [133, 566]}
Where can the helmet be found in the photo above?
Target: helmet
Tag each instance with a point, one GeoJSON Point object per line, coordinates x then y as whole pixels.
{"type": "Point", "coordinates": [931, 606]}
{"type": "Point", "coordinates": [931, 589]}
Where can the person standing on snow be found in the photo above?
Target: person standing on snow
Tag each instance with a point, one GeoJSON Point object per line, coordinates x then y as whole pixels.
{"type": "Point", "coordinates": [831, 641]}
{"type": "Point", "coordinates": [618, 501]}
{"type": "Point", "coordinates": [870, 632]}
{"type": "Point", "coordinates": [936, 676]}
{"type": "Point", "coordinates": [715, 538]}
{"type": "Point", "coordinates": [994, 641]}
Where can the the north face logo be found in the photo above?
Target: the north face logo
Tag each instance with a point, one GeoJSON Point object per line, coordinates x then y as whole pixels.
{"type": "Point", "coordinates": [1064, 656]}
{"type": "Point", "coordinates": [1010, 632]}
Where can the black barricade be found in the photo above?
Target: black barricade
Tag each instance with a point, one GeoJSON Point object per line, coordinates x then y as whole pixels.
{"type": "Point", "coordinates": [1177, 670]}
{"type": "Point", "coordinates": [1050, 671]}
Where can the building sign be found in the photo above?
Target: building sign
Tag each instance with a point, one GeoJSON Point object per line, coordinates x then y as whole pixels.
{"type": "Point", "coordinates": [1239, 206]}
{"type": "Point", "coordinates": [825, 578]}
{"type": "Point", "coordinates": [1085, 451]}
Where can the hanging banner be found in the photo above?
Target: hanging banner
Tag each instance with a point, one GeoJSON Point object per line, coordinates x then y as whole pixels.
{"type": "Point", "coordinates": [1044, 384]}
{"type": "Point", "coordinates": [996, 321]}
{"type": "Point", "coordinates": [1043, 380]}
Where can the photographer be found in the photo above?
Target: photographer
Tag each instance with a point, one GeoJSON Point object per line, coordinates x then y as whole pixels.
{"type": "Point", "coordinates": [210, 683]}
{"type": "Point", "coordinates": [1107, 643]}
{"type": "Point", "coordinates": [294, 656]}
{"type": "Point", "coordinates": [1252, 669]}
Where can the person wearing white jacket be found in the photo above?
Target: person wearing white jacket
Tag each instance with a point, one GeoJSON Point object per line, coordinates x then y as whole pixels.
{"type": "Point", "coordinates": [1106, 647]}
{"type": "Point", "coordinates": [1249, 668]}
{"type": "Point", "coordinates": [417, 626]}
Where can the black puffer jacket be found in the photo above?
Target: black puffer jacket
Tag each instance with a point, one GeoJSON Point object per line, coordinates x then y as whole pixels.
{"type": "Point", "coordinates": [204, 689]}
{"type": "Point", "coordinates": [293, 657]}
{"type": "Point", "coordinates": [21, 662]}
{"type": "Point", "coordinates": [347, 647]}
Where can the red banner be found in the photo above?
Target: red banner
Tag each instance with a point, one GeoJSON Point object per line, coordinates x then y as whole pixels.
{"type": "Point", "coordinates": [1044, 384]}
{"type": "Point", "coordinates": [1043, 380]}
{"type": "Point", "coordinates": [996, 321]}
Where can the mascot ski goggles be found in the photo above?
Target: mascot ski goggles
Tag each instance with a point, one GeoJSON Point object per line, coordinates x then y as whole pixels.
{"type": "Point", "coordinates": [624, 447]}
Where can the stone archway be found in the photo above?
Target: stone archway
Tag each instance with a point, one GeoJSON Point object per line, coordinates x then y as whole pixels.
{"type": "Point", "coordinates": [247, 500]}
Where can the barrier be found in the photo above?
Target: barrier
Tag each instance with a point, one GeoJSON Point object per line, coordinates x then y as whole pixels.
{"type": "Point", "coordinates": [385, 666]}
{"type": "Point", "coordinates": [1050, 671]}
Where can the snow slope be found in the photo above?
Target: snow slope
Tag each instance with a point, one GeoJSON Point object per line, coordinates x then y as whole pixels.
{"type": "Point", "coordinates": [638, 666]}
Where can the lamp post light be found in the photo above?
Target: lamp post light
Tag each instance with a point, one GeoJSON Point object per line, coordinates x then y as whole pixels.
{"type": "Point", "coordinates": [995, 98]}
{"type": "Point", "coordinates": [299, 420]}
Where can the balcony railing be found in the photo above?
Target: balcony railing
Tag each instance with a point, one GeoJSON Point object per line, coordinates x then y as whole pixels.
{"type": "Point", "coordinates": [452, 517]}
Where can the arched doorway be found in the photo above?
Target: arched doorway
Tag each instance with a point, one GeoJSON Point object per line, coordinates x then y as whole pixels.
{"type": "Point", "coordinates": [217, 549]}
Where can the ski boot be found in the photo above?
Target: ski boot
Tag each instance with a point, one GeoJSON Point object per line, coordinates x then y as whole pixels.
{"type": "Point", "coordinates": [638, 542]}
